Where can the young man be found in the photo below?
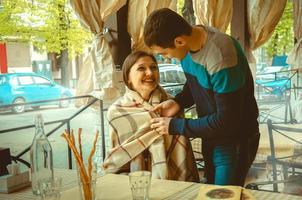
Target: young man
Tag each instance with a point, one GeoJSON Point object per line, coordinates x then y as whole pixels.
{"type": "Point", "coordinates": [219, 83]}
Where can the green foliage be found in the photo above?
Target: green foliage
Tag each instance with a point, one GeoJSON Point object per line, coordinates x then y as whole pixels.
{"type": "Point", "coordinates": [180, 5]}
{"type": "Point", "coordinates": [188, 12]}
{"type": "Point", "coordinates": [10, 19]}
{"type": "Point", "coordinates": [282, 40]}
{"type": "Point", "coordinates": [48, 25]}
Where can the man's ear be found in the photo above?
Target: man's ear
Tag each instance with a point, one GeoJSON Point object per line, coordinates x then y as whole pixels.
{"type": "Point", "coordinates": [179, 41]}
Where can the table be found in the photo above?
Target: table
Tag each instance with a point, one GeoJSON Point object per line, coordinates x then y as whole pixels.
{"type": "Point", "coordinates": [115, 187]}
{"type": "Point", "coordinates": [69, 180]}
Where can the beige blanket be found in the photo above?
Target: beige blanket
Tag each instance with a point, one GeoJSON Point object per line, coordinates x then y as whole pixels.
{"type": "Point", "coordinates": [135, 146]}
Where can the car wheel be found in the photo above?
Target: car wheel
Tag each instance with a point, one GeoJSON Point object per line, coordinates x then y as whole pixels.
{"type": "Point", "coordinates": [18, 109]}
{"type": "Point", "coordinates": [64, 103]}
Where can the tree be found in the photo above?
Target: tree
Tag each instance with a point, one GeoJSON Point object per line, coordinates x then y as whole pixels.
{"type": "Point", "coordinates": [188, 12]}
{"type": "Point", "coordinates": [282, 40]}
{"type": "Point", "coordinates": [48, 25]}
{"type": "Point", "coordinates": [185, 9]}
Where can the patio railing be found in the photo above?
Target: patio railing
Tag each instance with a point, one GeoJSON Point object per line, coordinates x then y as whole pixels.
{"type": "Point", "coordinates": [61, 122]}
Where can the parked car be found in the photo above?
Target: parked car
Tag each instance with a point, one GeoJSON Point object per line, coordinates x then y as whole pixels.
{"type": "Point", "coordinates": [29, 87]}
{"type": "Point", "coordinates": [172, 78]}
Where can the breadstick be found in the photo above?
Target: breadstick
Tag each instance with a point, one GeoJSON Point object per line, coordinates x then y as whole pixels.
{"type": "Point", "coordinates": [91, 155]}
{"type": "Point", "coordinates": [77, 157]}
{"type": "Point", "coordinates": [85, 176]}
{"type": "Point", "coordinates": [72, 137]}
{"type": "Point", "coordinates": [80, 142]}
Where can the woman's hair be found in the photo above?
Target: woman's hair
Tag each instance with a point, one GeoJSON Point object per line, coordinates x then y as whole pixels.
{"type": "Point", "coordinates": [130, 61]}
{"type": "Point", "coordinates": [163, 26]}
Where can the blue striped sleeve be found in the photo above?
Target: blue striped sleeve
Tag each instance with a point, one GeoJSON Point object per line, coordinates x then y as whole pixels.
{"type": "Point", "coordinates": [228, 80]}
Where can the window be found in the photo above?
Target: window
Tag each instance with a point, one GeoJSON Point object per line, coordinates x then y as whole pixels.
{"type": "Point", "coordinates": [2, 80]}
{"type": "Point", "coordinates": [181, 77]}
{"type": "Point", "coordinates": [13, 81]}
{"type": "Point", "coordinates": [26, 80]}
{"type": "Point", "coordinates": [41, 81]}
{"type": "Point", "coordinates": [162, 77]}
{"type": "Point", "coordinates": [171, 76]}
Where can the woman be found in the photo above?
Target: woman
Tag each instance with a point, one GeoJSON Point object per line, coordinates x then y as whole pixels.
{"type": "Point", "coordinates": [135, 146]}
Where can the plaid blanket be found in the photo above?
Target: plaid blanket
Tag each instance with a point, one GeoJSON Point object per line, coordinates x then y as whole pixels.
{"type": "Point", "coordinates": [135, 146]}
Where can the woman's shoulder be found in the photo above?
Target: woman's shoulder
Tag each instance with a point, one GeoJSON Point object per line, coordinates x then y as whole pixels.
{"type": "Point", "coordinates": [163, 94]}
{"type": "Point", "coordinates": [113, 108]}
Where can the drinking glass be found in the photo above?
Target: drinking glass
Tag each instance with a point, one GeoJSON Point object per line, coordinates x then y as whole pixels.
{"type": "Point", "coordinates": [140, 184]}
{"type": "Point", "coordinates": [87, 187]}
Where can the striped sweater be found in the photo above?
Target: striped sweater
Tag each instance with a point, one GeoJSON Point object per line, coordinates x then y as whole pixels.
{"type": "Point", "coordinates": [220, 84]}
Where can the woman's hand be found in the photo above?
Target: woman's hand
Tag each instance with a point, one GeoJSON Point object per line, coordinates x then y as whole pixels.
{"type": "Point", "coordinates": [167, 108]}
{"type": "Point", "coordinates": [161, 125]}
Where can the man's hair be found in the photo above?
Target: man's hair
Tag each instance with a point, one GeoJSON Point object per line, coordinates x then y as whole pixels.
{"type": "Point", "coordinates": [163, 26]}
{"type": "Point", "coordinates": [130, 61]}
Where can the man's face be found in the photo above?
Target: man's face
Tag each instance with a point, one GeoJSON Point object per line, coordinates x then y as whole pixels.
{"type": "Point", "coordinates": [176, 52]}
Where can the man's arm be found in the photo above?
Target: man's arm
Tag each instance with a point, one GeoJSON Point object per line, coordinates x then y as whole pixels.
{"type": "Point", "coordinates": [171, 107]}
{"type": "Point", "coordinates": [184, 98]}
{"type": "Point", "coordinates": [225, 120]}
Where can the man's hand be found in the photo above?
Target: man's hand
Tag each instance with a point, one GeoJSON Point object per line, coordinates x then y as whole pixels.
{"type": "Point", "coordinates": [161, 125]}
{"type": "Point", "coordinates": [167, 108]}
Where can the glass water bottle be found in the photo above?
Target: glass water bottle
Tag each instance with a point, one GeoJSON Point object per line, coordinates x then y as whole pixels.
{"type": "Point", "coordinates": [40, 156]}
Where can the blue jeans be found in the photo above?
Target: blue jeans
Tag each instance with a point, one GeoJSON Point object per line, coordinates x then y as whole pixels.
{"type": "Point", "coordinates": [229, 164]}
{"type": "Point", "coordinates": [224, 163]}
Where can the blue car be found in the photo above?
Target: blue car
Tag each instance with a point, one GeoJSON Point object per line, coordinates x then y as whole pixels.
{"type": "Point", "coordinates": [29, 87]}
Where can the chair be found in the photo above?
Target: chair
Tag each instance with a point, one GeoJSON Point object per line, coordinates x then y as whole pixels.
{"type": "Point", "coordinates": [275, 79]}
{"type": "Point", "coordinates": [196, 146]}
{"type": "Point", "coordinates": [280, 61]}
{"type": "Point", "coordinates": [283, 166]}
{"type": "Point", "coordinates": [269, 112]}
{"type": "Point", "coordinates": [276, 94]}
{"type": "Point", "coordinates": [275, 87]}
{"type": "Point", "coordinates": [195, 142]}
{"type": "Point", "coordinates": [293, 161]}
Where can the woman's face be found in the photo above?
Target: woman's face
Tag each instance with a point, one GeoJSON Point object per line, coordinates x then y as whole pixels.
{"type": "Point", "coordinates": [144, 76]}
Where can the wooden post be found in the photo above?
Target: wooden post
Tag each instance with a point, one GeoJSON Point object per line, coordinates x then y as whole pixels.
{"type": "Point", "coordinates": [239, 28]}
{"type": "Point", "coordinates": [118, 38]}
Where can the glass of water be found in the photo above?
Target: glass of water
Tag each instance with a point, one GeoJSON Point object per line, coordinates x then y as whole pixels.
{"type": "Point", "coordinates": [140, 184]}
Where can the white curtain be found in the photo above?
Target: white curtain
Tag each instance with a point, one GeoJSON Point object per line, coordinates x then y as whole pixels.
{"type": "Point", "coordinates": [97, 72]}
{"type": "Point", "coordinates": [295, 57]}
{"type": "Point", "coordinates": [138, 10]}
{"type": "Point", "coordinates": [215, 13]}
{"type": "Point", "coordinates": [262, 18]}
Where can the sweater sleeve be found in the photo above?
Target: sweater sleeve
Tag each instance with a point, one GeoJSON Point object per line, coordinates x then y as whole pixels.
{"type": "Point", "coordinates": [184, 98]}
{"type": "Point", "coordinates": [220, 123]}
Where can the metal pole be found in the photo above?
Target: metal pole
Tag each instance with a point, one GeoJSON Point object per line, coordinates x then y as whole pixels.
{"type": "Point", "coordinates": [69, 150]}
{"type": "Point", "coordinates": [298, 77]}
{"type": "Point", "coordinates": [286, 109]}
{"type": "Point", "coordinates": [102, 129]}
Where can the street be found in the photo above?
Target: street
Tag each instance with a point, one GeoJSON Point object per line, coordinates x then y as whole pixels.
{"type": "Point", "coordinates": [17, 141]}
